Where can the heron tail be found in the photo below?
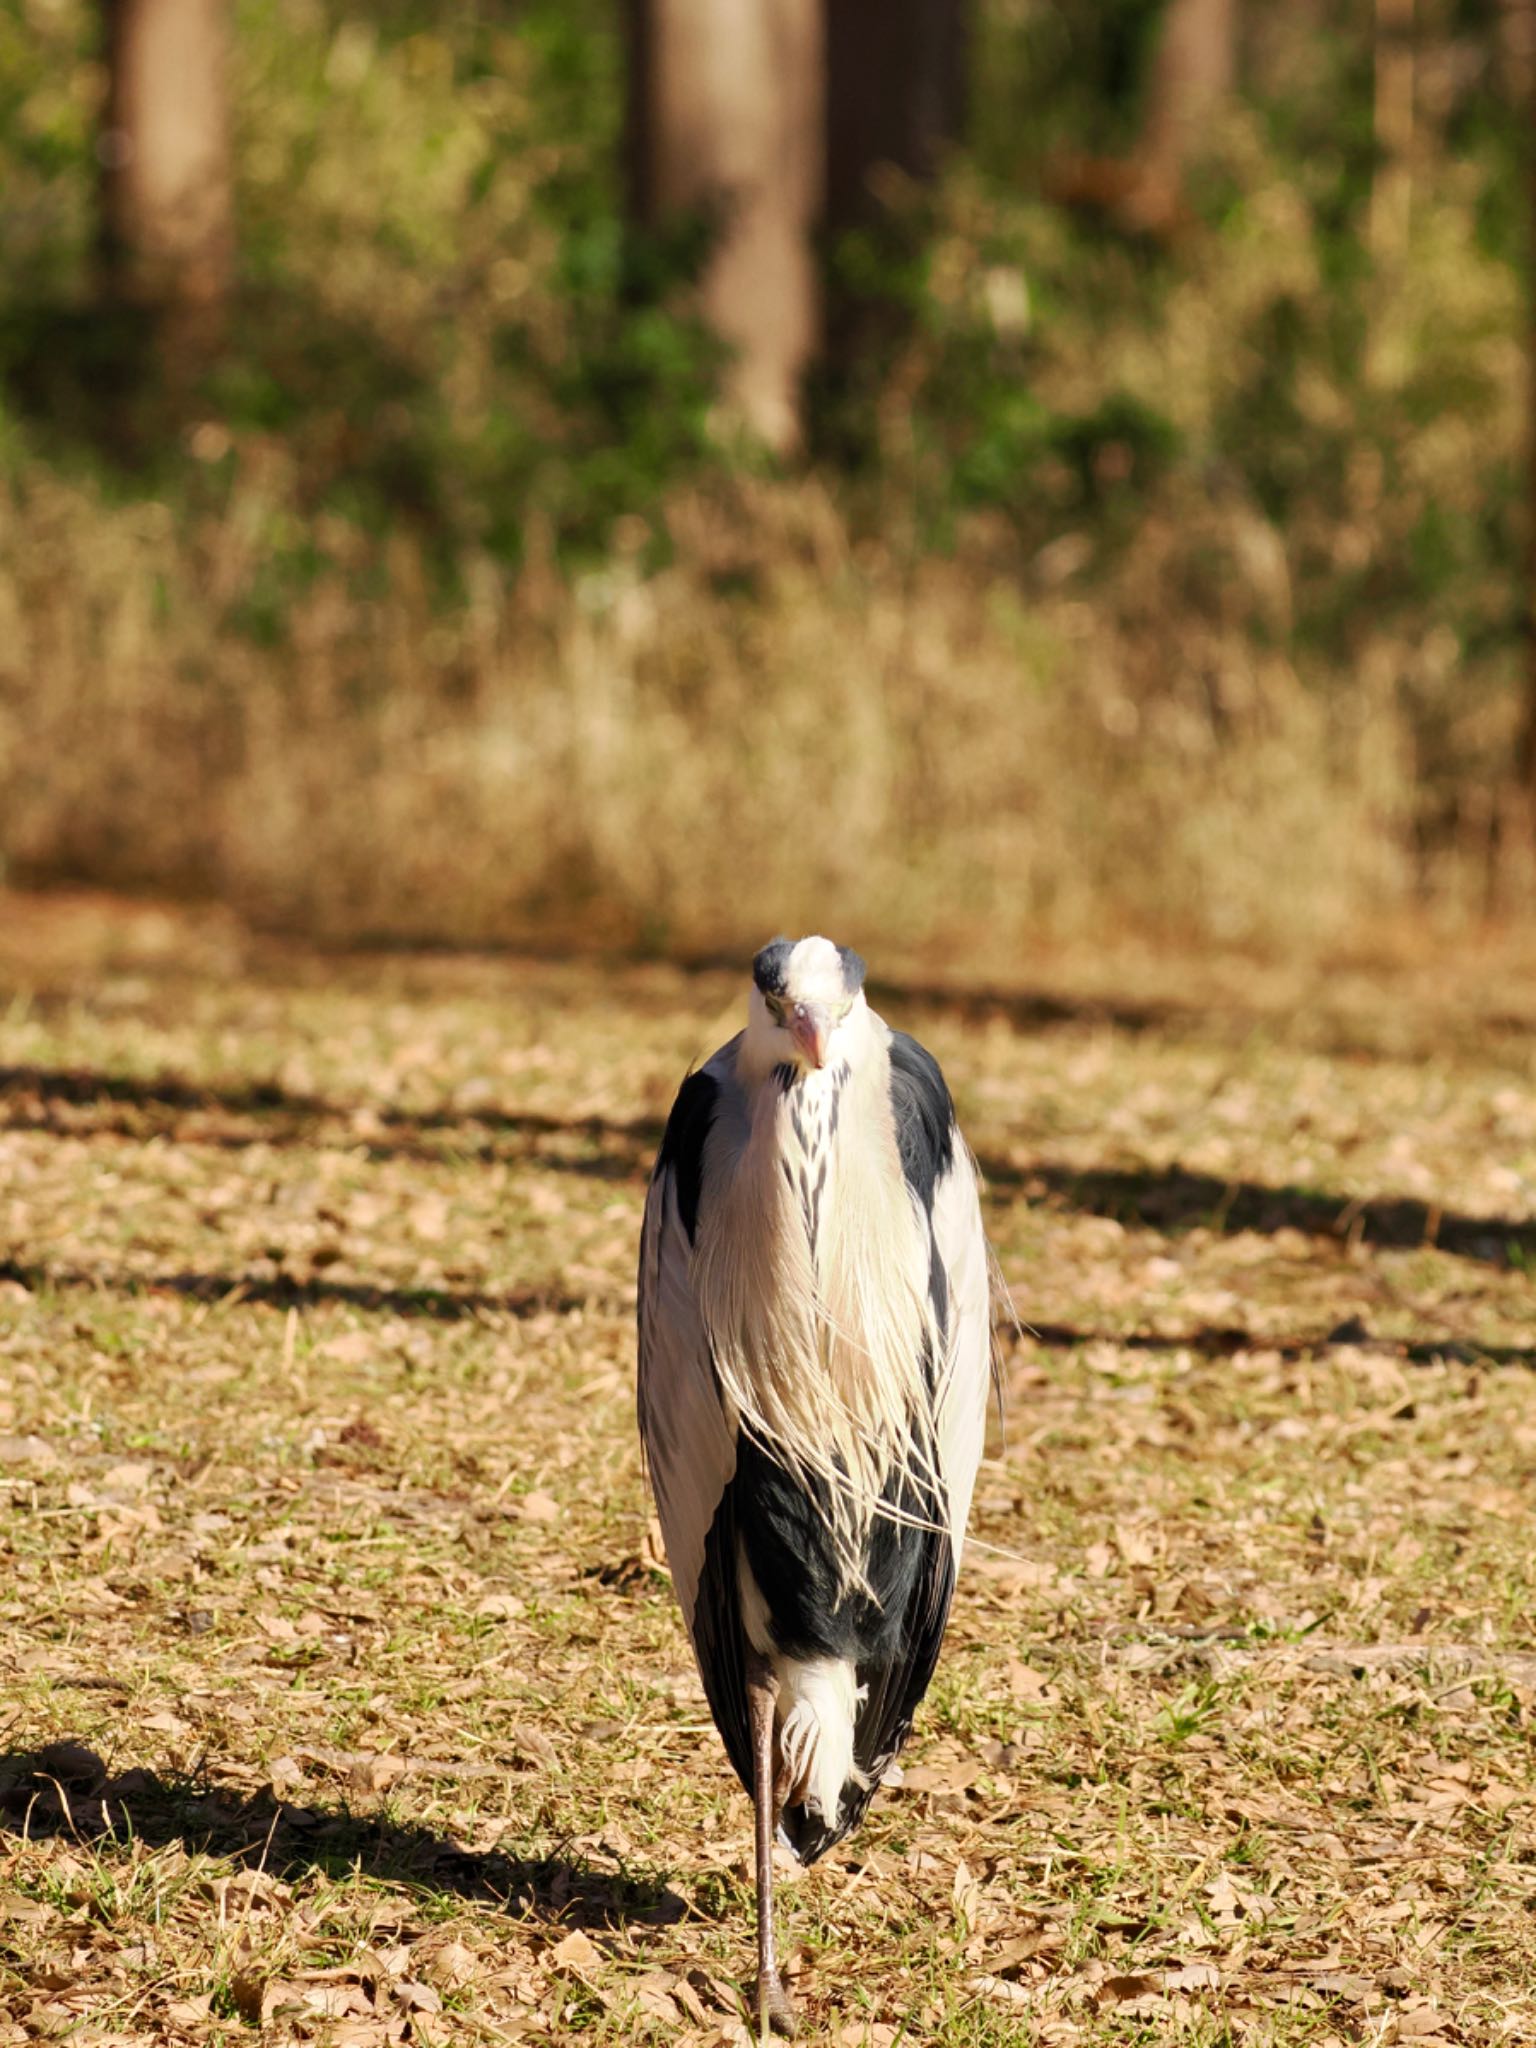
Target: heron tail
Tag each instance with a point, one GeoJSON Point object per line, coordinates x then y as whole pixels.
{"type": "Point", "coordinates": [817, 1709]}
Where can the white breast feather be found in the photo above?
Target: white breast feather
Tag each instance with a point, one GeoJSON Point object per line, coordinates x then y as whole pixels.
{"type": "Point", "coordinates": [819, 1350]}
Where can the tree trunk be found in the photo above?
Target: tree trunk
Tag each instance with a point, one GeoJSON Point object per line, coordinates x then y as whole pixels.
{"type": "Point", "coordinates": [1392, 123]}
{"type": "Point", "coordinates": [1192, 75]}
{"type": "Point", "coordinates": [896, 96]}
{"type": "Point", "coordinates": [167, 239]}
{"type": "Point", "coordinates": [726, 117]}
{"type": "Point", "coordinates": [896, 100]}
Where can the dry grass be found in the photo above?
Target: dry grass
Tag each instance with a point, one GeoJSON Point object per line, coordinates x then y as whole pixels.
{"type": "Point", "coordinates": [368, 633]}
{"type": "Point", "coordinates": [343, 1698]}
{"type": "Point", "coordinates": [908, 748]}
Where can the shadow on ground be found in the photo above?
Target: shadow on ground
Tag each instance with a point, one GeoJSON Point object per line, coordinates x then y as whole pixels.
{"type": "Point", "coordinates": [67, 1790]}
{"type": "Point", "coordinates": [78, 1102]}
{"type": "Point", "coordinates": [290, 1290]}
{"type": "Point", "coordinates": [452, 1305]}
{"type": "Point", "coordinates": [1214, 1340]}
{"type": "Point", "coordinates": [81, 1103]}
{"type": "Point", "coordinates": [1171, 1199]}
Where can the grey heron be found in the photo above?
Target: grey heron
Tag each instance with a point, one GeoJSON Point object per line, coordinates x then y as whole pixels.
{"type": "Point", "coordinates": [814, 1361]}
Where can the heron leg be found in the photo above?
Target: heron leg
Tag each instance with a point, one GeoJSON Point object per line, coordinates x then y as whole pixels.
{"type": "Point", "coordinates": [775, 2014]}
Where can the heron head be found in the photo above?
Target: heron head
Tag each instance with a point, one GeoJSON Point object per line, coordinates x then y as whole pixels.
{"type": "Point", "coordinates": [804, 991]}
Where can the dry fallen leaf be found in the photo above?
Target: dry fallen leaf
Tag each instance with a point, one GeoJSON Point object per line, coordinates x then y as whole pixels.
{"type": "Point", "coordinates": [654, 1997]}
{"type": "Point", "coordinates": [1122, 1988]}
{"type": "Point", "coordinates": [1000, 1991]}
{"type": "Point", "coordinates": [190, 2012]}
{"type": "Point", "coordinates": [376, 1773]}
{"type": "Point", "coordinates": [1191, 1977]}
{"type": "Point", "coordinates": [353, 1347]}
{"type": "Point", "coordinates": [31, 1451]}
{"type": "Point", "coordinates": [416, 1996]}
{"type": "Point", "coordinates": [165, 1724]}
{"type": "Point", "coordinates": [452, 1965]}
{"type": "Point", "coordinates": [576, 1952]}
{"type": "Point", "coordinates": [130, 1477]}
{"type": "Point", "coordinates": [1027, 1684]}
{"type": "Point", "coordinates": [1417, 2022]}
{"type": "Point", "coordinates": [500, 1606]}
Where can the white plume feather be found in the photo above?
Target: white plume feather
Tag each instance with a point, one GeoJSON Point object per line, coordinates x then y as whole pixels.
{"type": "Point", "coordinates": [811, 1272]}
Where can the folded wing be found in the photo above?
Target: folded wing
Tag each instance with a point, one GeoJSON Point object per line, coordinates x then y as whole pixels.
{"type": "Point", "coordinates": [690, 1448]}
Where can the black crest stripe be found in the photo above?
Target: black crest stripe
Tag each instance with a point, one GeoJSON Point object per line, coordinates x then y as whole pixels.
{"type": "Point", "coordinates": [770, 970]}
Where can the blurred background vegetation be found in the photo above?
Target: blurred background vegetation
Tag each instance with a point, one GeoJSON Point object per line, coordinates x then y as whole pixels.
{"type": "Point", "coordinates": [1143, 544]}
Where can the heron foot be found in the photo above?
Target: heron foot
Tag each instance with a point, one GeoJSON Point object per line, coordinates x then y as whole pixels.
{"type": "Point", "coordinates": [774, 2012]}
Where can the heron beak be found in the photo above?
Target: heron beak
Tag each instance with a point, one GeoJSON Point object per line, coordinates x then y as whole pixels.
{"type": "Point", "coordinates": [810, 1026]}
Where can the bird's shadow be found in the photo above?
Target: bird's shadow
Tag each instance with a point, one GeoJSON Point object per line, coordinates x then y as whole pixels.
{"type": "Point", "coordinates": [66, 1791]}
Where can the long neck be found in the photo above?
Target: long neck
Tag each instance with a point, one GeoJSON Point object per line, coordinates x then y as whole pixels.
{"type": "Point", "coordinates": [815, 1125]}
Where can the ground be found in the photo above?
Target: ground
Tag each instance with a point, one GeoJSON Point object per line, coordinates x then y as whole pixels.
{"type": "Point", "coordinates": [342, 1692]}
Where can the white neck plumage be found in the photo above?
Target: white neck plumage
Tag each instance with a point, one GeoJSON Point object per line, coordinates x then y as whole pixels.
{"type": "Point", "coordinates": [811, 1269]}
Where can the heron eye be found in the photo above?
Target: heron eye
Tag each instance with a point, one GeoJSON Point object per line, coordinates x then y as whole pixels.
{"type": "Point", "coordinates": [775, 1008]}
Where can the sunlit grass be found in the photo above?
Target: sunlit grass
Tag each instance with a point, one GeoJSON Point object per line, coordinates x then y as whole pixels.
{"type": "Point", "coordinates": [336, 1572]}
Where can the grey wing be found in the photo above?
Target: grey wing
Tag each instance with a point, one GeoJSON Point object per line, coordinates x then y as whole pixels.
{"type": "Point", "coordinates": [942, 1176]}
{"type": "Point", "coordinates": [962, 1404]}
{"type": "Point", "coordinates": [690, 1447]}
{"type": "Point", "coordinates": [690, 1450]}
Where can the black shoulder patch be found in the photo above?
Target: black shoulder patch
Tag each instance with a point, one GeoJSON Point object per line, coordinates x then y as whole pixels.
{"type": "Point", "coordinates": [853, 970]}
{"type": "Point", "coordinates": [925, 1116]}
{"type": "Point", "coordinates": [682, 1144]}
{"type": "Point", "coordinates": [770, 970]}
